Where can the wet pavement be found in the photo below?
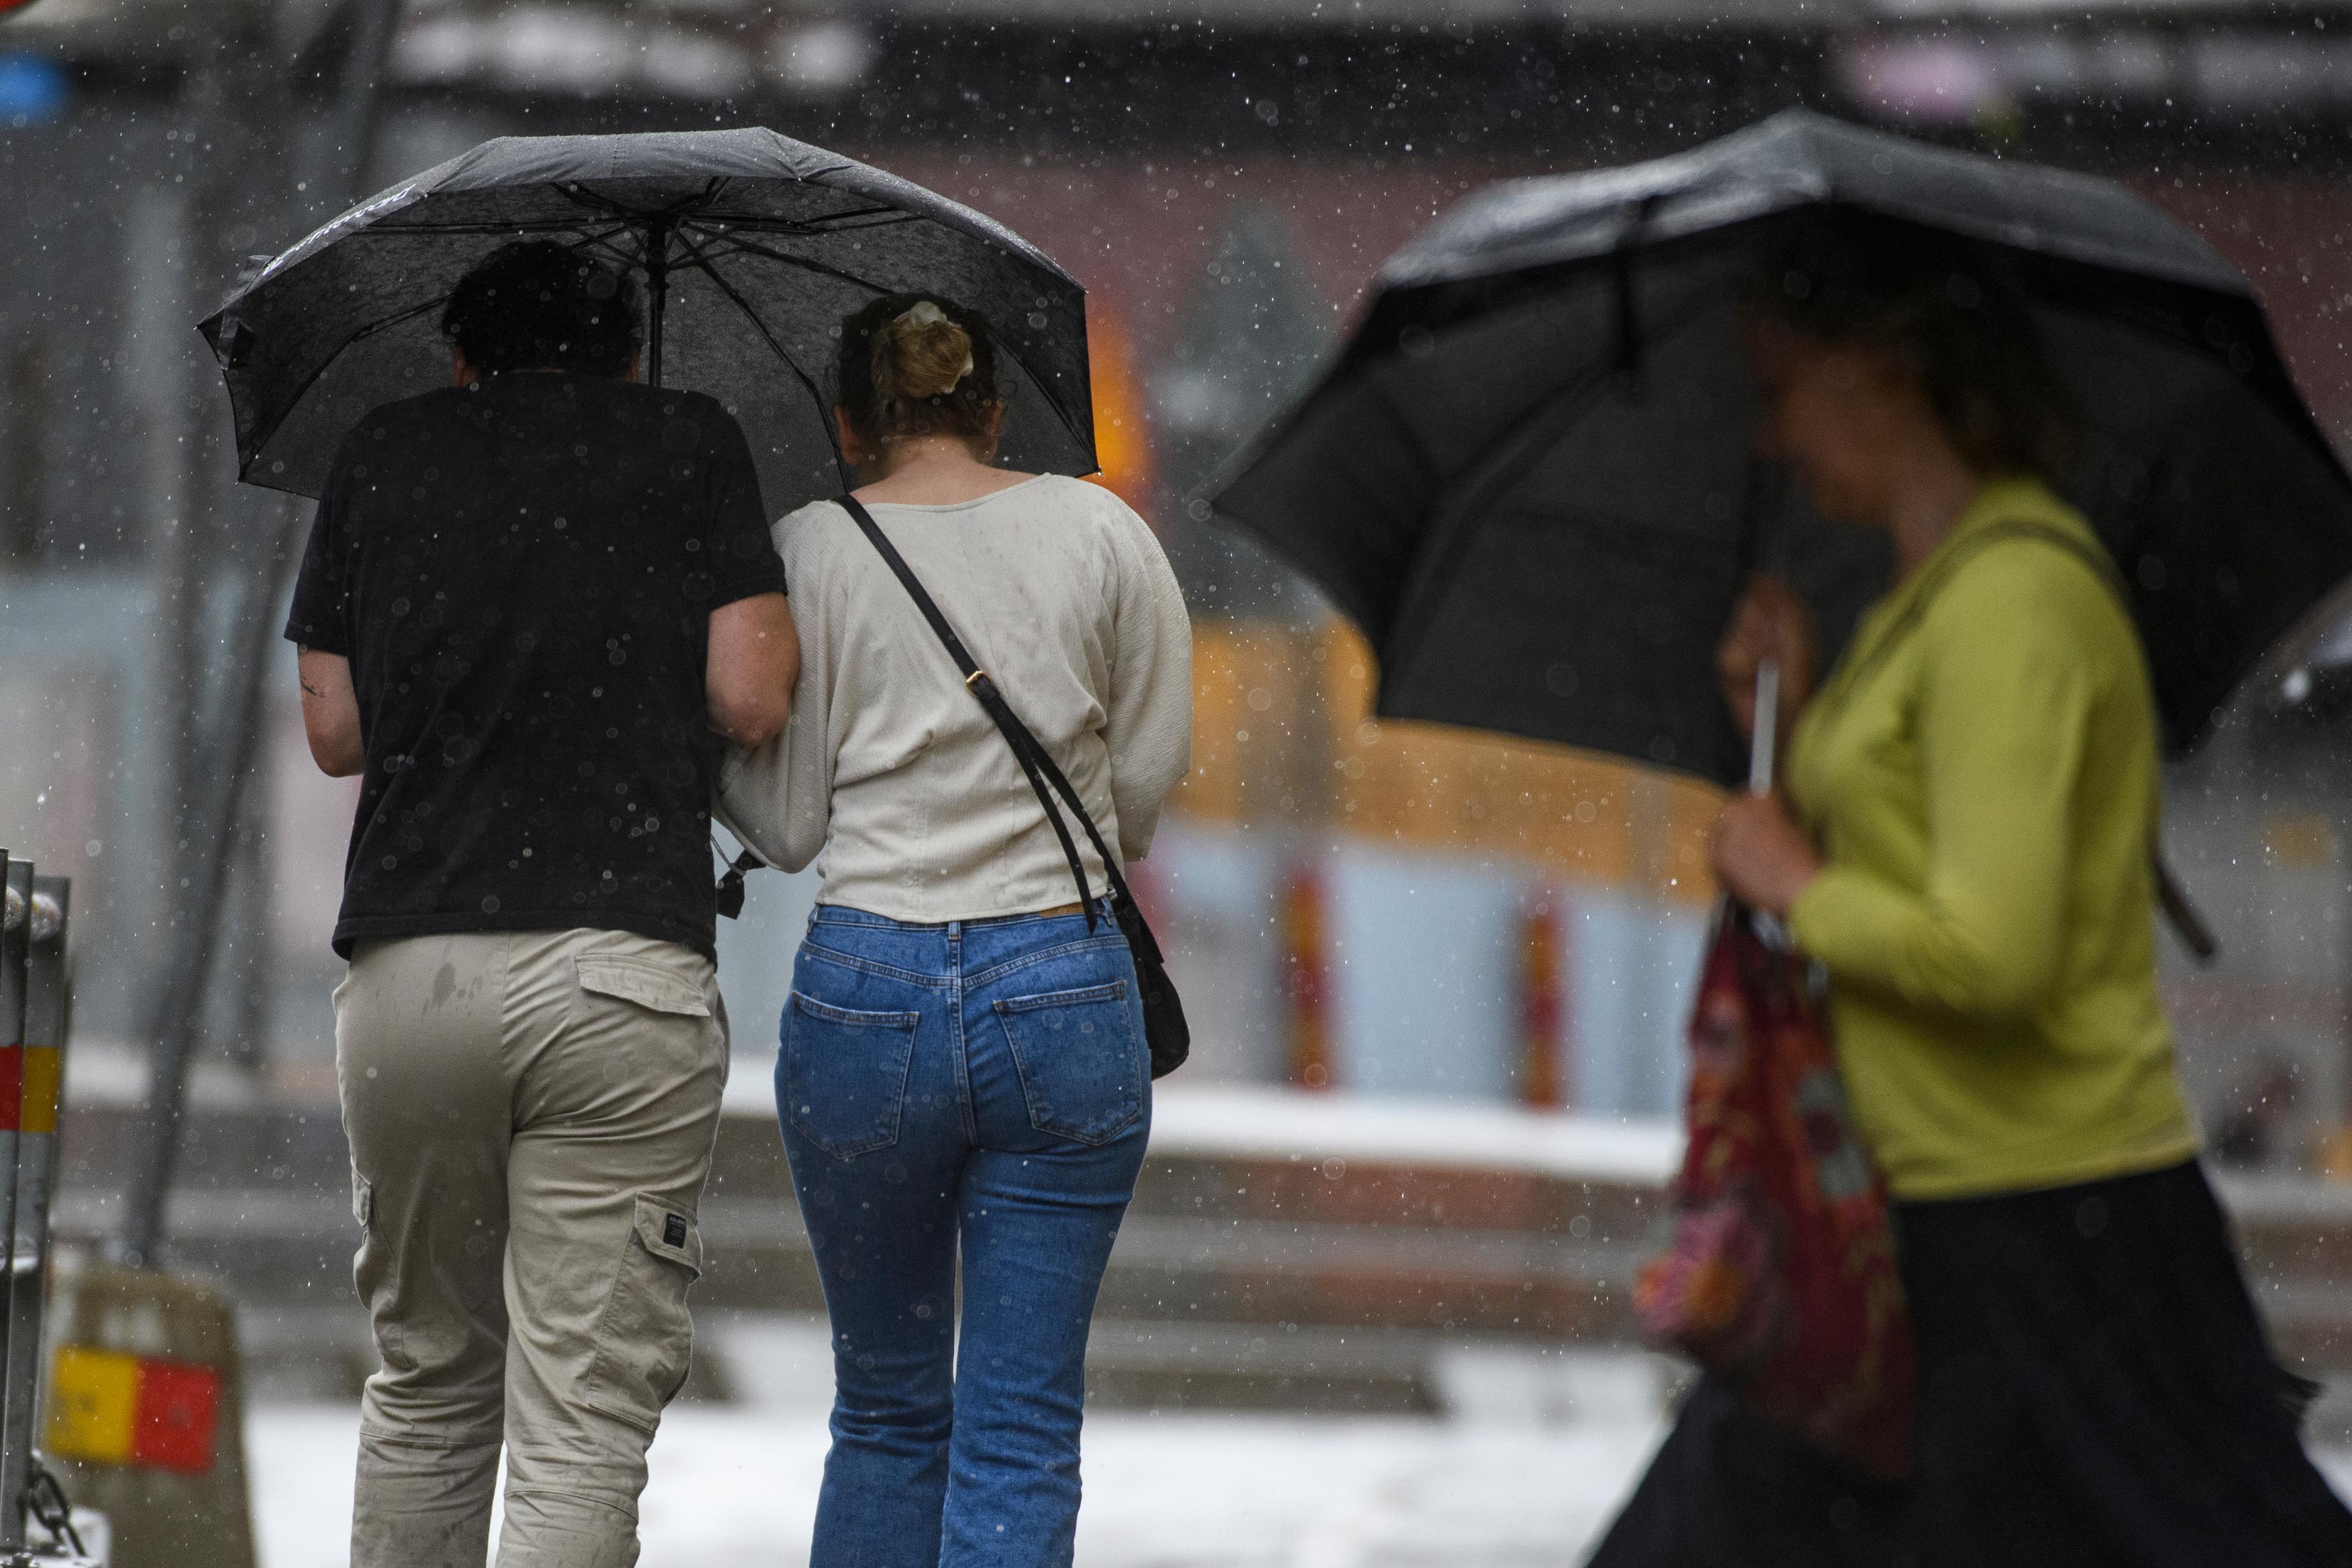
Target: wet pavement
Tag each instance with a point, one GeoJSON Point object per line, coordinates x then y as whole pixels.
{"type": "Point", "coordinates": [735, 1485]}
{"type": "Point", "coordinates": [1182, 1490]}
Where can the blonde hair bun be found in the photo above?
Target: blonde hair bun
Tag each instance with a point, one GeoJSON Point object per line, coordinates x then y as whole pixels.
{"type": "Point", "coordinates": [920, 352]}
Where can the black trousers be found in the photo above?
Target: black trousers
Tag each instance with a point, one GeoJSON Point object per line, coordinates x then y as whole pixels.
{"type": "Point", "coordinates": [2095, 1390]}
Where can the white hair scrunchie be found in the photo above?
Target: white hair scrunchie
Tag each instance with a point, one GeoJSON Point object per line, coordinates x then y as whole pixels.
{"type": "Point", "coordinates": [925, 313]}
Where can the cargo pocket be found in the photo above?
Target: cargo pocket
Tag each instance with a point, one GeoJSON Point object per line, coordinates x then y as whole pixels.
{"type": "Point", "coordinates": [645, 1340]}
{"type": "Point", "coordinates": [1081, 1060]}
{"type": "Point", "coordinates": [640, 980]}
{"type": "Point", "coordinates": [845, 1079]}
{"type": "Point", "coordinates": [372, 1275]}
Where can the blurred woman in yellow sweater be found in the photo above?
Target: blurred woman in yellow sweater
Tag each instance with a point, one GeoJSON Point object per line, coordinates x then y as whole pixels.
{"type": "Point", "coordinates": [1965, 842]}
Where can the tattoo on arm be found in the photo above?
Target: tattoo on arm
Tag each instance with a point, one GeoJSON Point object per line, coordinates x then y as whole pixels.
{"type": "Point", "coordinates": [301, 648]}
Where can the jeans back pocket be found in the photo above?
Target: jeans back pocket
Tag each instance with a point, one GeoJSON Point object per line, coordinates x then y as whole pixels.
{"type": "Point", "coordinates": [844, 1075]}
{"type": "Point", "coordinates": [1081, 1060]}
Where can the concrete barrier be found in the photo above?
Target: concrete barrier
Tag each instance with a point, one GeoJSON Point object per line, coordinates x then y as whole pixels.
{"type": "Point", "coordinates": [1285, 1249]}
{"type": "Point", "coordinates": [146, 1415]}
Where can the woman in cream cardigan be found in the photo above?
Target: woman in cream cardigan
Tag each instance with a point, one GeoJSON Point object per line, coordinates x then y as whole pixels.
{"type": "Point", "coordinates": [963, 1079]}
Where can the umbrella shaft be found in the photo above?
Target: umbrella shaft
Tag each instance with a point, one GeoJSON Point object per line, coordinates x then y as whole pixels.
{"type": "Point", "coordinates": [1765, 732]}
{"type": "Point", "coordinates": [658, 295]}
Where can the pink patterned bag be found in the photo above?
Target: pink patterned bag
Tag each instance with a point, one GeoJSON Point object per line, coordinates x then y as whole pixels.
{"type": "Point", "coordinates": [1780, 1277]}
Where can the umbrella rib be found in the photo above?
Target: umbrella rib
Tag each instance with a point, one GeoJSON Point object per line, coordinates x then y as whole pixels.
{"type": "Point", "coordinates": [611, 208]}
{"type": "Point", "coordinates": [385, 323]}
{"type": "Point", "coordinates": [835, 222]}
{"type": "Point", "coordinates": [803, 262]}
{"type": "Point", "coordinates": [841, 223]}
{"type": "Point", "coordinates": [1053, 402]}
{"type": "Point", "coordinates": [369, 331]}
{"type": "Point", "coordinates": [701, 262]}
{"type": "Point", "coordinates": [604, 242]}
{"type": "Point", "coordinates": [423, 306]}
{"type": "Point", "coordinates": [384, 231]}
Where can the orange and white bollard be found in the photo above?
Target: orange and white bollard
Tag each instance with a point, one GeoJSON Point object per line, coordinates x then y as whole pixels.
{"type": "Point", "coordinates": [1302, 929]}
{"type": "Point", "coordinates": [1544, 1076]}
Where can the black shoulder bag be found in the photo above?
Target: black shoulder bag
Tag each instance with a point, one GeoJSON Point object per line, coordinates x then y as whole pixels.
{"type": "Point", "coordinates": [1164, 1029]}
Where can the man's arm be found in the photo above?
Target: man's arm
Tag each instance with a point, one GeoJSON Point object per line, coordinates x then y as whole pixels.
{"type": "Point", "coordinates": [331, 713]}
{"type": "Point", "coordinates": [755, 657]}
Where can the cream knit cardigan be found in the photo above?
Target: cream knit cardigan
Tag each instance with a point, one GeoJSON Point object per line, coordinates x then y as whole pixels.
{"type": "Point", "coordinates": [891, 777]}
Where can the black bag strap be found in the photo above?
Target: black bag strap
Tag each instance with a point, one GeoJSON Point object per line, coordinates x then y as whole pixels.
{"type": "Point", "coordinates": [2170, 896]}
{"type": "Point", "coordinates": [1037, 765]}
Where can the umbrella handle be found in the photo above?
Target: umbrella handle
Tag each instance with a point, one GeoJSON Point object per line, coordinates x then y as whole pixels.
{"type": "Point", "coordinates": [1764, 734]}
{"type": "Point", "coordinates": [1771, 929]}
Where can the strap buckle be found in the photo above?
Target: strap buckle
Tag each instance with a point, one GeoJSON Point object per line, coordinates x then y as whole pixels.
{"type": "Point", "coordinates": [976, 677]}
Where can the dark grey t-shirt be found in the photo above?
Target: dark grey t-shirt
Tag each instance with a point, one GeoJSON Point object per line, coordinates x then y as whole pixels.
{"type": "Point", "coordinates": [522, 574]}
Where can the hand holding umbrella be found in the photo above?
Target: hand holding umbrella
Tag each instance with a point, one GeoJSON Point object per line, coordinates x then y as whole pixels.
{"type": "Point", "coordinates": [1762, 857]}
{"type": "Point", "coordinates": [1769, 622]}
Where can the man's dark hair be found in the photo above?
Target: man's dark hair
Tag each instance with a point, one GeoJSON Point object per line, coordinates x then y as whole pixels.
{"type": "Point", "coordinates": [1947, 313]}
{"type": "Point", "coordinates": [533, 305]}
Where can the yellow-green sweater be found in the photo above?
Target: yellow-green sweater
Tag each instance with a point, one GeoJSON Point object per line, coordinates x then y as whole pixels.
{"type": "Point", "coordinates": [1981, 777]}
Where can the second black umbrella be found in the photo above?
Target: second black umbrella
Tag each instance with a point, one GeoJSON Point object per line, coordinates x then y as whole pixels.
{"type": "Point", "coordinates": [1530, 478]}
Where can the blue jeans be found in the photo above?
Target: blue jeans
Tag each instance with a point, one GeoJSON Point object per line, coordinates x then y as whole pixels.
{"type": "Point", "coordinates": [983, 1084]}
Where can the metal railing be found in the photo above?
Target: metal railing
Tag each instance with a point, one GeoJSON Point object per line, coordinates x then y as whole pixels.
{"type": "Point", "coordinates": [36, 1008]}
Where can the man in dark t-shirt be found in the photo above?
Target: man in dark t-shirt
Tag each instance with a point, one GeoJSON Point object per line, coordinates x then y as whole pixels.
{"type": "Point", "coordinates": [533, 604]}
{"type": "Point", "coordinates": [522, 574]}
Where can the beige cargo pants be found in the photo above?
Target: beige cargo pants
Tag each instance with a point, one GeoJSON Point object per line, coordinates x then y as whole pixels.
{"type": "Point", "coordinates": [531, 1117]}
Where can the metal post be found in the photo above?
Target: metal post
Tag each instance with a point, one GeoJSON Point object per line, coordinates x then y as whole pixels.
{"type": "Point", "coordinates": [15, 935]}
{"type": "Point", "coordinates": [46, 1009]}
{"type": "Point", "coordinates": [362, 90]}
{"type": "Point", "coordinates": [237, 742]}
{"type": "Point", "coordinates": [172, 1032]}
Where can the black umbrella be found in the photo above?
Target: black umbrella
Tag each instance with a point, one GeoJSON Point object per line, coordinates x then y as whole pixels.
{"type": "Point", "coordinates": [753, 246]}
{"type": "Point", "coordinates": [1528, 477]}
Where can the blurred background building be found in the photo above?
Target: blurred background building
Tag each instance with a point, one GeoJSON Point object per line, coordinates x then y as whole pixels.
{"type": "Point", "coordinates": [1359, 907]}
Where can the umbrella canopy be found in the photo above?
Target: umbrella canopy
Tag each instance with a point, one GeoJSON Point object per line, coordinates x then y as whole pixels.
{"type": "Point", "coordinates": [1530, 475]}
{"type": "Point", "coordinates": [753, 246]}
